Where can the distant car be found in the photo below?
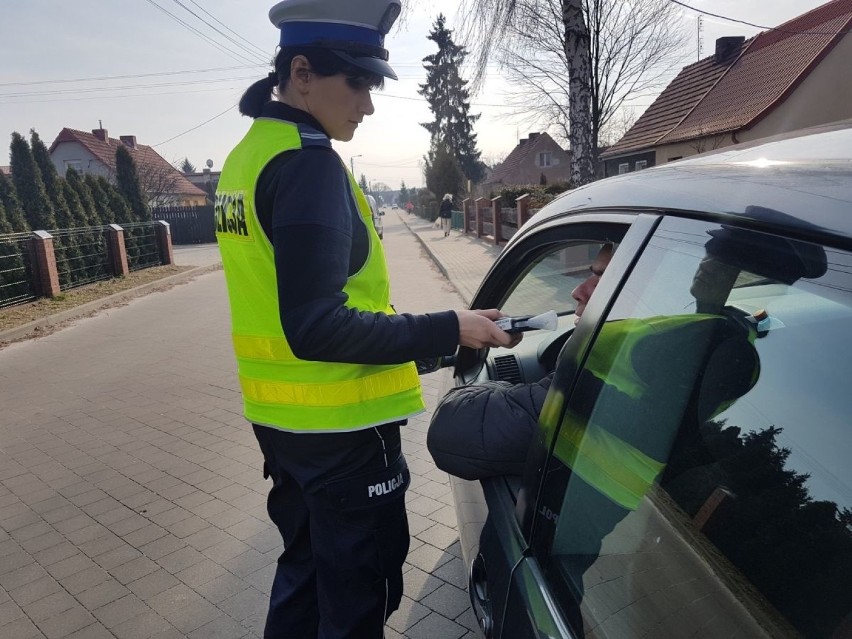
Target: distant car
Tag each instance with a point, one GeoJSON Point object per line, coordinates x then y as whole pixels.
{"type": "Point", "coordinates": [377, 216]}
{"type": "Point", "coordinates": [394, 206]}
{"type": "Point", "coordinates": [692, 484]}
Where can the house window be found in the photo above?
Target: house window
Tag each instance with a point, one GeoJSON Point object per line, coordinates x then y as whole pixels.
{"type": "Point", "coordinates": [624, 167]}
{"type": "Point", "coordinates": [77, 165]}
{"type": "Point", "coordinates": [545, 158]}
{"type": "Point", "coordinates": [641, 164]}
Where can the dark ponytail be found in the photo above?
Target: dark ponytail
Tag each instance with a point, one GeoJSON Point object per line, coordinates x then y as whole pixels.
{"type": "Point", "coordinates": [258, 94]}
{"type": "Point", "coordinates": [323, 62]}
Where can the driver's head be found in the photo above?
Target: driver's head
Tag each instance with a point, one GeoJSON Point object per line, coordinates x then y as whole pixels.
{"type": "Point", "coordinates": [584, 291]}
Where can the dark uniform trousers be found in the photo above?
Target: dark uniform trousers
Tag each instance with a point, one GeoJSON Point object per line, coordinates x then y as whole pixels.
{"type": "Point", "coordinates": [338, 500]}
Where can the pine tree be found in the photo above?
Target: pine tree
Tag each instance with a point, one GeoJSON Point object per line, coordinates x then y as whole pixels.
{"type": "Point", "coordinates": [52, 181]}
{"type": "Point", "coordinates": [127, 182]}
{"type": "Point", "coordinates": [403, 194]}
{"type": "Point", "coordinates": [13, 273]}
{"type": "Point", "coordinates": [11, 204]}
{"type": "Point", "coordinates": [186, 166]}
{"type": "Point", "coordinates": [449, 101]}
{"type": "Point", "coordinates": [100, 199]}
{"type": "Point", "coordinates": [90, 212]}
{"type": "Point", "coordinates": [5, 227]}
{"type": "Point", "coordinates": [363, 184]}
{"type": "Point", "coordinates": [29, 186]}
{"type": "Point", "coordinates": [117, 205]}
{"type": "Point", "coordinates": [443, 173]}
{"type": "Point", "coordinates": [69, 257]}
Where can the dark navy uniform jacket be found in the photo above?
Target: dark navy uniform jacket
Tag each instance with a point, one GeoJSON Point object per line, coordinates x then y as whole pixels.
{"type": "Point", "coordinates": [307, 208]}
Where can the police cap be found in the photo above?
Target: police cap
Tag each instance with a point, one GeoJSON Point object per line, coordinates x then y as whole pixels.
{"type": "Point", "coordinates": [782, 259]}
{"type": "Point", "coordinates": [353, 29]}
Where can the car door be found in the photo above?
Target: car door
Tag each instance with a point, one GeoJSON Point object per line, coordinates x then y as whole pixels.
{"type": "Point", "coordinates": [696, 479]}
{"type": "Point", "coordinates": [535, 275]}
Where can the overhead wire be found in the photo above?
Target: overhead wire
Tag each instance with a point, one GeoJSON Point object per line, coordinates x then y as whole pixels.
{"type": "Point", "coordinates": [130, 87]}
{"type": "Point", "coordinates": [197, 126]}
{"type": "Point", "coordinates": [249, 42]}
{"type": "Point", "coordinates": [752, 24]}
{"type": "Point", "coordinates": [220, 32]}
{"type": "Point", "coordinates": [128, 76]}
{"type": "Point", "coordinates": [203, 36]}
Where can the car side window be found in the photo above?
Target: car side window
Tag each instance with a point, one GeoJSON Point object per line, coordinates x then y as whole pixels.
{"type": "Point", "coordinates": [700, 482]}
{"type": "Point", "coordinates": [547, 282]}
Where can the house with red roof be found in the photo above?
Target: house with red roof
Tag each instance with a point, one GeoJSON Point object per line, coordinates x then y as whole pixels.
{"type": "Point", "coordinates": [94, 153]}
{"type": "Point", "coordinates": [537, 159]}
{"type": "Point", "coordinates": [790, 77]}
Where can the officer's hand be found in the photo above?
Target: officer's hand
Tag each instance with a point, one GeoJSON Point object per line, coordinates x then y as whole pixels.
{"type": "Point", "coordinates": [477, 329]}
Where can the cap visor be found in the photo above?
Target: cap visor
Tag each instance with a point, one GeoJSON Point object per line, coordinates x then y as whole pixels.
{"type": "Point", "coordinates": [373, 65]}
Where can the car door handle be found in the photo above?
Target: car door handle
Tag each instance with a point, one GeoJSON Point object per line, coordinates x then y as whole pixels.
{"type": "Point", "coordinates": [481, 602]}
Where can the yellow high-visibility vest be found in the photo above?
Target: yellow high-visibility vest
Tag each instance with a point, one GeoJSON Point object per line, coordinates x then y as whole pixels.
{"type": "Point", "coordinates": [617, 469]}
{"type": "Point", "coordinates": [279, 389]}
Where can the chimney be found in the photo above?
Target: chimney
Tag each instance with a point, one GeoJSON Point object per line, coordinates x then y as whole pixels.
{"type": "Point", "coordinates": [128, 140]}
{"type": "Point", "coordinates": [727, 46]}
{"type": "Point", "coordinates": [101, 134]}
{"type": "Point", "coordinates": [533, 136]}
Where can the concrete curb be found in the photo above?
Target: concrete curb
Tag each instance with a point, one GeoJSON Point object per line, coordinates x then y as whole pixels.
{"type": "Point", "coordinates": [25, 331]}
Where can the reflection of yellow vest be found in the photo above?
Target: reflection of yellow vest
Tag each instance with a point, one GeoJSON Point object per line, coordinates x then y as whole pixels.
{"type": "Point", "coordinates": [279, 389]}
{"type": "Point", "coordinates": [615, 468]}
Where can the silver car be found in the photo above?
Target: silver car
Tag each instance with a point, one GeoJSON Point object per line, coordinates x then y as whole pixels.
{"type": "Point", "coordinates": [691, 472]}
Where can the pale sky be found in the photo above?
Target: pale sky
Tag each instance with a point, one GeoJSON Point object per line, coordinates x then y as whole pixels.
{"type": "Point", "coordinates": [56, 56]}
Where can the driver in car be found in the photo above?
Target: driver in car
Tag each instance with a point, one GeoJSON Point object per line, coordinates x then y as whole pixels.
{"type": "Point", "coordinates": [484, 430]}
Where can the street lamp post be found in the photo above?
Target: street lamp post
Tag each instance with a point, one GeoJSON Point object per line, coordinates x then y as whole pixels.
{"type": "Point", "coordinates": [352, 163]}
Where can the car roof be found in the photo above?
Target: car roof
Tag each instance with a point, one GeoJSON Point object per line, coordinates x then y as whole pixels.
{"type": "Point", "coordinates": [806, 176]}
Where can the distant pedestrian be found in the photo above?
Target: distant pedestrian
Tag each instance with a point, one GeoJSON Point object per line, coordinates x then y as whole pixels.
{"type": "Point", "coordinates": [446, 213]}
{"type": "Point", "coordinates": [326, 365]}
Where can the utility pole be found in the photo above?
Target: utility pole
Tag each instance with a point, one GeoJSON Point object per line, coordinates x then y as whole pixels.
{"type": "Point", "coordinates": [352, 163]}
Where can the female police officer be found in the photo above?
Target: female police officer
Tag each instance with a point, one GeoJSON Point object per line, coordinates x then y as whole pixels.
{"type": "Point", "coordinates": [325, 364]}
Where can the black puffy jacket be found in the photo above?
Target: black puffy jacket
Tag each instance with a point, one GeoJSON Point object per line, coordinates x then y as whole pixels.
{"type": "Point", "coordinates": [485, 430]}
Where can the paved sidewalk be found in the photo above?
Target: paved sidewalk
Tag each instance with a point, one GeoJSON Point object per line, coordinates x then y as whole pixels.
{"type": "Point", "coordinates": [464, 259]}
{"type": "Point", "coordinates": [131, 500]}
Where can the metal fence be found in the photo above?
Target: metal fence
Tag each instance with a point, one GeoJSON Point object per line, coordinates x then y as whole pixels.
{"type": "Point", "coordinates": [189, 224]}
{"type": "Point", "coordinates": [140, 241]}
{"type": "Point", "coordinates": [82, 255]}
{"type": "Point", "coordinates": [16, 280]}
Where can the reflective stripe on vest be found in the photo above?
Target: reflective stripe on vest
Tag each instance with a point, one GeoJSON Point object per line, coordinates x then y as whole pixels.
{"type": "Point", "coordinates": [341, 393]}
{"type": "Point", "coordinates": [620, 471]}
{"type": "Point", "coordinates": [279, 389]}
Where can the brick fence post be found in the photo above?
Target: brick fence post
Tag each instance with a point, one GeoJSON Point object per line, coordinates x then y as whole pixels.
{"type": "Point", "coordinates": [480, 223]}
{"type": "Point", "coordinates": [117, 251]}
{"type": "Point", "coordinates": [44, 264]}
{"type": "Point", "coordinates": [164, 241]}
{"type": "Point", "coordinates": [522, 206]}
{"type": "Point", "coordinates": [496, 216]}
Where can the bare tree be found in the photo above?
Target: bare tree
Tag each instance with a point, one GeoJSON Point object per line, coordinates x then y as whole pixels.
{"type": "Point", "coordinates": [704, 142]}
{"type": "Point", "coordinates": [160, 184]}
{"type": "Point", "coordinates": [578, 61]}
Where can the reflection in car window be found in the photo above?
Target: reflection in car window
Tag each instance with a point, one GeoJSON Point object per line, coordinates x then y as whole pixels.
{"type": "Point", "coordinates": [701, 483]}
{"type": "Point", "coordinates": [549, 280]}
